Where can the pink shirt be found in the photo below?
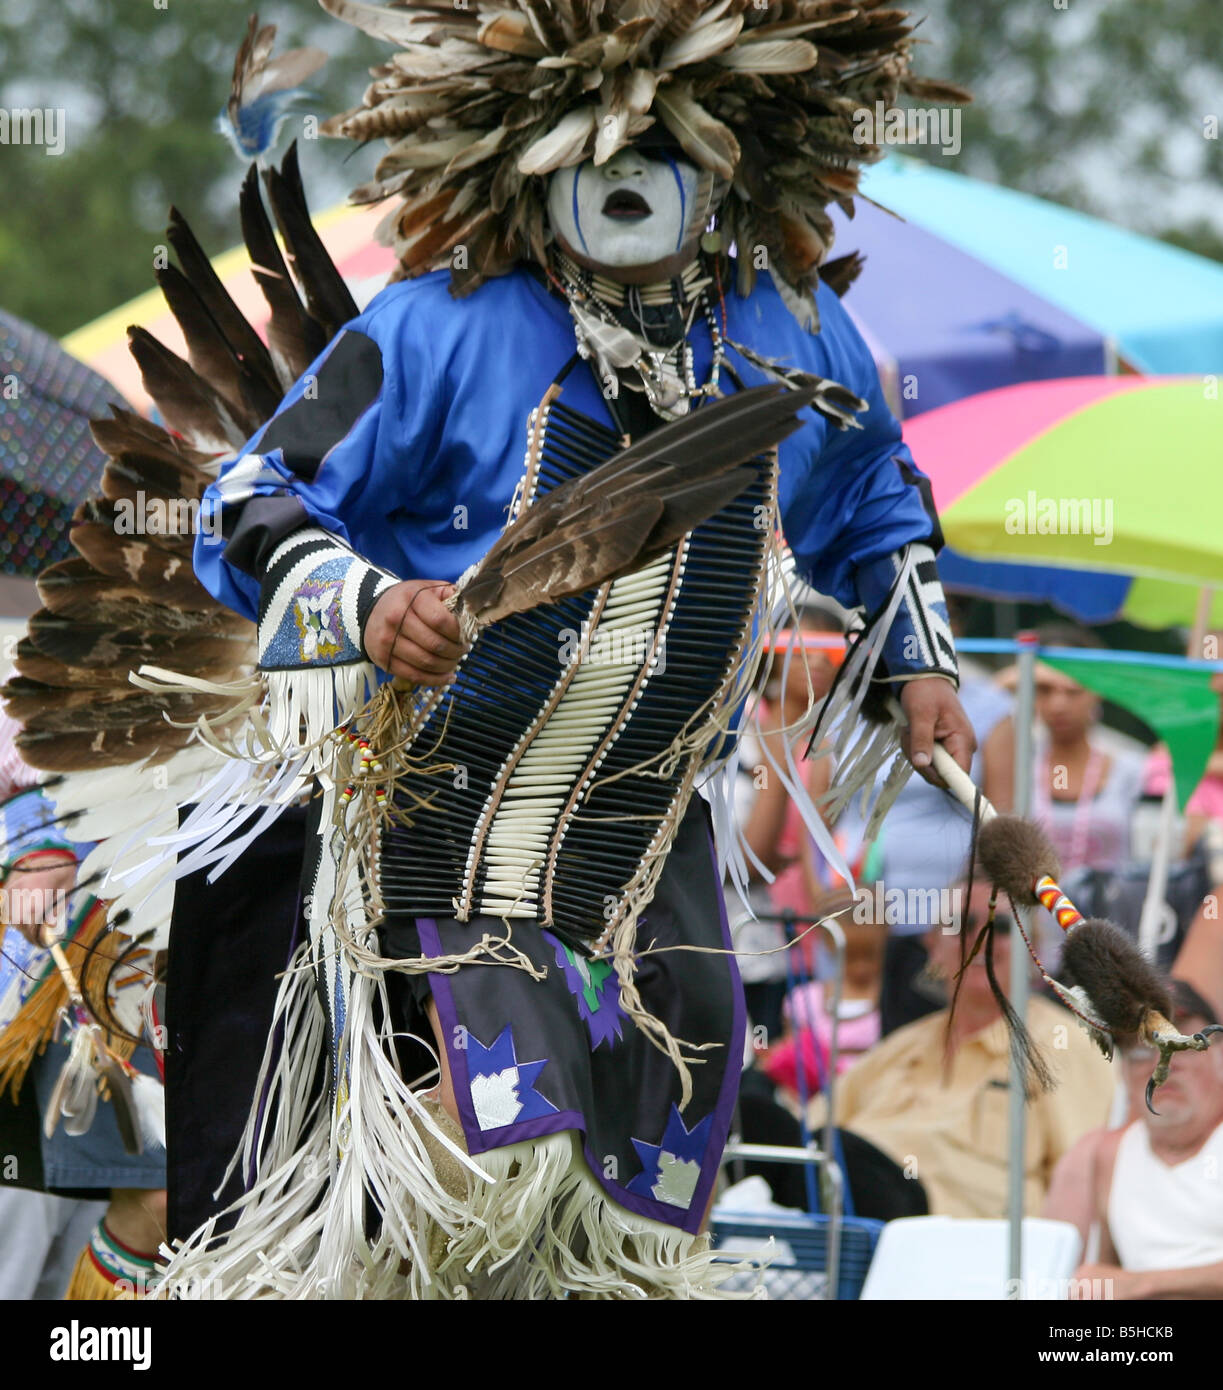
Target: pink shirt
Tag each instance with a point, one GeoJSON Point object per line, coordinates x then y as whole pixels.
{"type": "Point", "coordinates": [1206, 801]}
{"type": "Point", "coordinates": [805, 1009]}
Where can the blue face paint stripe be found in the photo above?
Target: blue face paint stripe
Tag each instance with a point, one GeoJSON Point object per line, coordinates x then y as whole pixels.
{"type": "Point", "coordinates": [577, 216]}
{"type": "Point", "coordinates": [683, 201]}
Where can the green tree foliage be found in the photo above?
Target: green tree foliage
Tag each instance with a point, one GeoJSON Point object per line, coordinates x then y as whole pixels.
{"type": "Point", "coordinates": [141, 83]}
{"type": "Point", "coordinates": [1110, 106]}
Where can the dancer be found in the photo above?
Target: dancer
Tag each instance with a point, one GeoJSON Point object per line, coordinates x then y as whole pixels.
{"type": "Point", "coordinates": [510, 870]}
{"type": "Point", "coordinates": [503, 1062]}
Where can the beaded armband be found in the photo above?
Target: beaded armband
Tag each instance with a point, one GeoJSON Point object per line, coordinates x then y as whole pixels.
{"type": "Point", "coordinates": [918, 641]}
{"type": "Point", "coordinates": [316, 597]}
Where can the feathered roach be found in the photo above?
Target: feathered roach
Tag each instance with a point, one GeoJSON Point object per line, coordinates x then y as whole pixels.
{"type": "Point", "coordinates": [769, 98]}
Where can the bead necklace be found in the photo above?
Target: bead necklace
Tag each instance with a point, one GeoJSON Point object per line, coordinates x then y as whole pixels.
{"type": "Point", "coordinates": [666, 372]}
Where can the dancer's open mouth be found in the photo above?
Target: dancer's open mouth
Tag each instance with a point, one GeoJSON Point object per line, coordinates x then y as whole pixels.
{"type": "Point", "coordinates": [626, 205]}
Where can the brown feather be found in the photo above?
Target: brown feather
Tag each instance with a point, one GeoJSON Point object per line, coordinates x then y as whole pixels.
{"type": "Point", "coordinates": [61, 752]}
{"type": "Point", "coordinates": [189, 405]}
{"type": "Point", "coordinates": [126, 431]}
{"type": "Point", "coordinates": [74, 589]}
{"type": "Point", "coordinates": [141, 482]}
{"type": "Point", "coordinates": [606, 542]}
{"type": "Point", "coordinates": [93, 646]}
{"type": "Point", "coordinates": [139, 560]}
{"type": "Point", "coordinates": [82, 711]}
{"type": "Point", "coordinates": [655, 491]}
{"type": "Point", "coordinates": [840, 274]}
{"type": "Point", "coordinates": [704, 138]}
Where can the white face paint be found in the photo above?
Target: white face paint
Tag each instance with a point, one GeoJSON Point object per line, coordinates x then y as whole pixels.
{"type": "Point", "coordinates": [630, 211]}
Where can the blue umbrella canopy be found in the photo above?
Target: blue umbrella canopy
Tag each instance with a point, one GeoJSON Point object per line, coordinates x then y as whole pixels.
{"type": "Point", "coordinates": [1160, 306]}
{"type": "Point", "coordinates": [49, 462]}
{"type": "Point", "coordinates": [966, 294]}
{"type": "Point", "coordinates": [943, 325]}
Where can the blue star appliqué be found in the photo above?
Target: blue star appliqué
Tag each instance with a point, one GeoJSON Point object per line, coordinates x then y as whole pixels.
{"type": "Point", "coordinates": [672, 1168]}
{"type": "Point", "coordinates": [503, 1088]}
{"type": "Point", "coordinates": [597, 990]}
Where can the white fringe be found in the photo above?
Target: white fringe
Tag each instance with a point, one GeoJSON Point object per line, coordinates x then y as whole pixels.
{"type": "Point", "coordinates": [860, 748]}
{"type": "Point", "coordinates": [304, 707]}
{"type": "Point", "coordinates": [524, 1222]}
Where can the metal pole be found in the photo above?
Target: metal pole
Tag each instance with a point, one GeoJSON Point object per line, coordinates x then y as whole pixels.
{"type": "Point", "coordinates": [1025, 700]}
{"type": "Point", "coordinates": [836, 1202]}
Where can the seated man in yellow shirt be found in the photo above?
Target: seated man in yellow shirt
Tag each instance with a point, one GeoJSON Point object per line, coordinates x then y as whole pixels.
{"type": "Point", "coordinates": [936, 1103]}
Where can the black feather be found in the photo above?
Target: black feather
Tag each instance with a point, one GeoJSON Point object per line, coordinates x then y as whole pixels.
{"type": "Point", "coordinates": [327, 296]}
{"type": "Point", "coordinates": [249, 397]}
{"type": "Point", "coordinates": [295, 338]}
{"type": "Point", "coordinates": [239, 334]}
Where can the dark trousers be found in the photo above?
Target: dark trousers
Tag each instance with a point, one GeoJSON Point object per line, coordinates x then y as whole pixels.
{"type": "Point", "coordinates": [229, 942]}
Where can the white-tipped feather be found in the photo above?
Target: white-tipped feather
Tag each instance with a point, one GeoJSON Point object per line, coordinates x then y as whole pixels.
{"type": "Point", "coordinates": [779, 55]}
{"type": "Point", "coordinates": [565, 144]}
{"type": "Point", "coordinates": [701, 43]}
{"type": "Point", "coordinates": [150, 1101]}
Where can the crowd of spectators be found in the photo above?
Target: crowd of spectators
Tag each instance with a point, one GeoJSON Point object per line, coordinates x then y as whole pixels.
{"type": "Point", "coordinates": [922, 1090]}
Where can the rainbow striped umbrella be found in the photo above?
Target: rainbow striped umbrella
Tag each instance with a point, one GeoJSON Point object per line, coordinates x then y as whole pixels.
{"type": "Point", "coordinates": [1161, 308]}
{"type": "Point", "coordinates": [1113, 474]}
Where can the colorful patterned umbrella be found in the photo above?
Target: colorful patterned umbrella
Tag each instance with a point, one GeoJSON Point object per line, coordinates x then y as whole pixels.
{"type": "Point", "coordinates": [1157, 309]}
{"type": "Point", "coordinates": [1117, 474]}
{"type": "Point", "coordinates": [48, 460]}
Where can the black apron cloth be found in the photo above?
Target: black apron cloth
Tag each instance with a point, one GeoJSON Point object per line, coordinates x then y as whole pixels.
{"type": "Point", "coordinates": [557, 1054]}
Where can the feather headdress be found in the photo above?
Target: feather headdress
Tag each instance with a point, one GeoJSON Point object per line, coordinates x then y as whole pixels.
{"type": "Point", "coordinates": [478, 104]}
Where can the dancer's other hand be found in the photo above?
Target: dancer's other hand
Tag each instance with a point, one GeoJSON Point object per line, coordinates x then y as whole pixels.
{"type": "Point", "coordinates": [932, 706]}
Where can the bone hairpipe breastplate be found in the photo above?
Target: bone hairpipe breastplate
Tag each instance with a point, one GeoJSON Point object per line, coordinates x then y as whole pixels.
{"type": "Point", "coordinates": [550, 776]}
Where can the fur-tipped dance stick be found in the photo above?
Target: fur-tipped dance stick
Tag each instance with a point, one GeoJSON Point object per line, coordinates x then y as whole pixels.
{"type": "Point", "coordinates": [1107, 982]}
